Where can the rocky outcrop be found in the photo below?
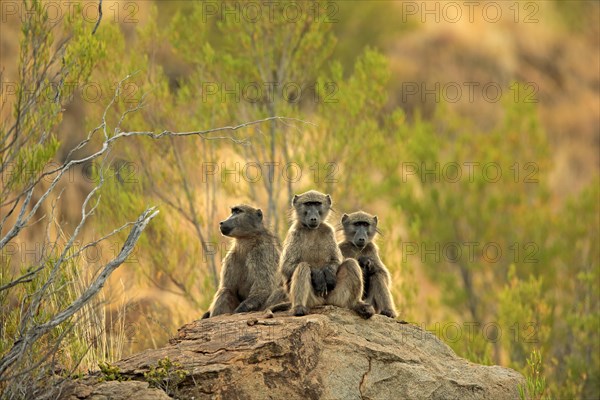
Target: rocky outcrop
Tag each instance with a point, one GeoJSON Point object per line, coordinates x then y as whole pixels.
{"type": "Point", "coordinates": [113, 390]}
{"type": "Point", "coordinates": [331, 354]}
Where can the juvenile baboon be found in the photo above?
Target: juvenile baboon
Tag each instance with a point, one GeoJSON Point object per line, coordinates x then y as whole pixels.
{"type": "Point", "coordinates": [311, 262]}
{"type": "Point", "coordinates": [359, 230]}
{"type": "Point", "coordinates": [248, 274]}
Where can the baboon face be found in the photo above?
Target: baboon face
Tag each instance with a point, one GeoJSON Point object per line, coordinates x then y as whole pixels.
{"type": "Point", "coordinates": [244, 221]}
{"type": "Point", "coordinates": [311, 208]}
{"type": "Point", "coordinates": [359, 228]}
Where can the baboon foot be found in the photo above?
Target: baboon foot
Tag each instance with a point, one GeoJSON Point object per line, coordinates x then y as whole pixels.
{"type": "Point", "coordinates": [365, 310]}
{"type": "Point", "coordinates": [299, 311]}
{"type": "Point", "coordinates": [205, 315]}
{"type": "Point", "coordinates": [281, 307]}
{"type": "Point", "coordinates": [388, 313]}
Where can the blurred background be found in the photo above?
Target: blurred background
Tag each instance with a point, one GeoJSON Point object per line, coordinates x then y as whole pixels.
{"type": "Point", "coordinates": [470, 128]}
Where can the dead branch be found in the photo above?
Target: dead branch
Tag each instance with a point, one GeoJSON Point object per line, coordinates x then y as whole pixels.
{"type": "Point", "coordinates": [35, 332]}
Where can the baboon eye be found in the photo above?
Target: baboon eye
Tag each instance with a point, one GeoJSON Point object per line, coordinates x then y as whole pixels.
{"type": "Point", "coordinates": [236, 210]}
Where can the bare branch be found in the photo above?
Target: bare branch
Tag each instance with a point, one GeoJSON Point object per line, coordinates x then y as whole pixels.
{"type": "Point", "coordinates": [99, 17]}
{"type": "Point", "coordinates": [65, 167]}
{"type": "Point", "coordinates": [213, 130]}
{"type": "Point", "coordinates": [30, 329]}
{"type": "Point", "coordinates": [35, 332]}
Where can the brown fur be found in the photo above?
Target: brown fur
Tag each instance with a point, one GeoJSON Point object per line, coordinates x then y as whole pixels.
{"type": "Point", "coordinates": [360, 229]}
{"type": "Point", "coordinates": [279, 300]}
{"type": "Point", "coordinates": [311, 262]}
{"type": "Point", "coordinates": [248, 274]}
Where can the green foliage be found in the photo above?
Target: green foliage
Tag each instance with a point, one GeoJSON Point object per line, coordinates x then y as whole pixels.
{"type": "Point", "coordinates": [49, 70]}
{"type": "Point", "coordinates": [166, 375]}
{"type": "Point", "coordinates": [460, 211]}
{"type": "Point", "coordinates": [110, 372]}
{"type": "Point", "coordinates": [536, 267]}
{"type": "Point", "coordinates": [577, 316]}
{"type": "Point", "coordinates": [355, 20]}
{"type": "Point", "coordinates": [525, 313]}
{"type": "Point", "coordinates": [573, 14]}
{"type": "Point", "coordinates": [535, 385]}
{"type": "Point", "coordinates": [351, 115]}
{"type": "Point", "coordinates": [55, 59]}
{"type": "Point", "coordinates": [541, 291]}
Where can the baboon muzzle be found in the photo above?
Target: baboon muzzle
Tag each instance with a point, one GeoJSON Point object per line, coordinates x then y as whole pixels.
{"type": "Point", "coordinates": [225, 229]}
{"type": "Point", "coordinates": [360, 239]}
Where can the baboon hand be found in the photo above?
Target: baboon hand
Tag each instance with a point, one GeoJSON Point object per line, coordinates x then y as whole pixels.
{"type": "Point", "coordinates": [243, 307]}
{"type": "Point", "coordinates": [317, 279]}
{"type": "Point", "coordinates": [366, 264]}
{"type": "Point", "coordinates": [330, 279]}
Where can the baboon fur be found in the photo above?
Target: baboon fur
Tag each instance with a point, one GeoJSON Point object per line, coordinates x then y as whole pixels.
{"type": "Point", "coordinates": [249, 270]}
{"type": "Point", "coordinates": [311, 262]}
{"type": "Point", "coordinates": [360, 229]}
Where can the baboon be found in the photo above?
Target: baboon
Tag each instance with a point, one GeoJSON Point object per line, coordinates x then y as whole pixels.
{"type": "Point", "coordinates": [311, 262]}
{"type": "Point", "coordinates": [248, 274]}
{"type": "Point", "coordinates": [279, 300]}
{"type": "Point", "coordinates": [359, 230]}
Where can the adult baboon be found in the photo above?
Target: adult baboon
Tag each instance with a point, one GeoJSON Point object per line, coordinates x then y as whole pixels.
{"type": "Point", "coordinates": [311, 262]}
{"type": "Point", "coordinates": [359, 231]}
{"type": "Point", "coordinates": [248, 274]}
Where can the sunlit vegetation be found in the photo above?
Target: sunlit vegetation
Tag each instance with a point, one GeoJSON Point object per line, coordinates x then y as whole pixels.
{"type": "Point", "coordinates": [490, 232]}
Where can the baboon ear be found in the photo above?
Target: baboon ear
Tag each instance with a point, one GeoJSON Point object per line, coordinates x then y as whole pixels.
{"type": "Point", "coordinates": [294, 200]}
{"type": "Point", "coordinates": [375, 219]}
{"type": "Point", "coordinates": [328, 199]}
{"type": "Point", "coordinates": [344, 217]}
{"type": "Point", "coordinates": [259, 213]}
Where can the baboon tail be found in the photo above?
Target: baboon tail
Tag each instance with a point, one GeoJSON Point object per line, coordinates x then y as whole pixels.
{"type": "Point", "coordinates": [286, 306]}
{"type": "Point", "coordinates": [205, 315]}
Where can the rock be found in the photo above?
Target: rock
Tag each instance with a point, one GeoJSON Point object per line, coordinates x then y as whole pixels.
{"type": "Point", "coordinates": [113, 390]}
{"type": "Point", "coordinates": [331, 354]}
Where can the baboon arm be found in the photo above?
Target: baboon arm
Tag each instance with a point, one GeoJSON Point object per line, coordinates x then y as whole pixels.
{"type": "Point", "coordinates": [279, 295]}
{"type": "Point", "coordinates": [225, 302]}
{"type": "Point", "coordinates": [228, 274]}
{"type": "Point", "coordinates": [379, 293]}
{"type": "Point", "coordinates": [335, 259]}
{"type": "Point", "coordinates": [379, 287]}
{"type": "Point", "coordinates": [256, 300]}
{"type": "Point", "coordinates": [289, 262]}
{"type": "Point", "coordinates": [373, 256]}
{"type": "Point", "coordinates": [333, 267]}
{"type": "Point", "coordinates": [252, 303]}
{"type": "Point", "coordinates": [261, 266]}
